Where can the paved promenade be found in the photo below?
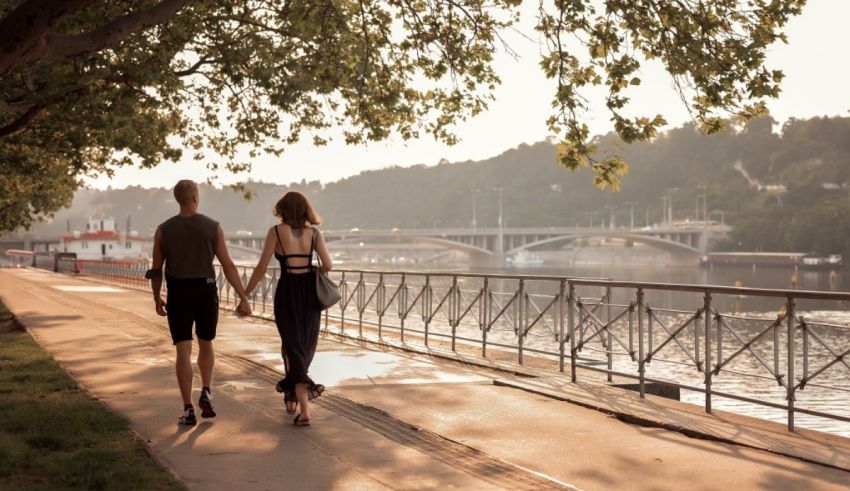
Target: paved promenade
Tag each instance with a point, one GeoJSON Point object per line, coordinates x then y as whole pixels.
{"type": "Point", "coordinates": [397, 420]}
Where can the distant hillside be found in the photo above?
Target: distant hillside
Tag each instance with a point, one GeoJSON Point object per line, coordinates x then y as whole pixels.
{"type": "Point", "coordinates": [782, 191]}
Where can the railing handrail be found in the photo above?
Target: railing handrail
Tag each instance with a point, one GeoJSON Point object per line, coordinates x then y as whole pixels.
{"type": "Point", "coordinates": [605, 282]}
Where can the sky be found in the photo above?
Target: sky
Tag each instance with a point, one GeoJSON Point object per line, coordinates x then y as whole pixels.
{"type": "Point", "coordinates": [815, 84]}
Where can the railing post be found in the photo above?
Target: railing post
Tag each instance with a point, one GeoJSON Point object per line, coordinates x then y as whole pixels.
{"type": "Point", "coordinates": [649, 334]}
{"type": "Point", "coordinates": [488, 315]}
{"type": "Point", "coordinates": [522, 311]}
{"type": "Point", "coordinates": [632, 330]}
{"type": "Point", "coordinates": [454, 310]}
{"type": "Point", "coordinates": [402, 305]}
{"type": "Point", "coordinates": [805, 329]}
{"type": "Point", "coordinates": [379, 304]}
{"type": "Point", "coordinates": [697, 334]}
{"type": "Point", "coordinates": [561, 312]}
{"type": "Point", "coordinates": [790, 381]}
{"type": "Point", "coordinates": [361, 299]}
{"type": "Point", "coordinates": [708, 374]}
{"type": "Point", "coordinates": [610, 341]}
{"type": "Point", "coordinates": [719, 331]}
{"type": "Point", "coordinates": [343, 288]}
{"type": "Point", "coordinates": [776, 348]}
{"type": "Point", "coordinates": [571, 324]}
{"type": "Point", "coordinates": [641, 361]}
{"type": "Point", "coordinates": [426, 305]}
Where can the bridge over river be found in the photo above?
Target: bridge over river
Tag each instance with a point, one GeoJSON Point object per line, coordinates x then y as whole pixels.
{"type": "Point", "coordinates": [487, 246]}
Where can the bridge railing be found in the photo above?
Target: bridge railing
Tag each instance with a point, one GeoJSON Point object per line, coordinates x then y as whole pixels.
{"type": "Point", "coordinates": [726, 347]}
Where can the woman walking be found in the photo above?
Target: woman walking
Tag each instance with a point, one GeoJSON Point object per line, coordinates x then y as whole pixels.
{"type": "Point", "coordinates": [297, 311]}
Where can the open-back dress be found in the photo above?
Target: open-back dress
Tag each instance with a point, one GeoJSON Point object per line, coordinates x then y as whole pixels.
{"type": "Point", "coordinates": [297, 314]}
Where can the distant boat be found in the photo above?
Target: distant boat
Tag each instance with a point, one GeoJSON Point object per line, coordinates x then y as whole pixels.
{"type": "Point", "coordinates": [829, 262]}
{"type": "Point", "coordinates": [525, 258]}
{"type": "Point", "coordinates": [795, 259]}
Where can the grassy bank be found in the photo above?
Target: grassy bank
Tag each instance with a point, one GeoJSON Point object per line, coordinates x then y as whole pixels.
{"type": "Point", "coordinates": [53, 435]}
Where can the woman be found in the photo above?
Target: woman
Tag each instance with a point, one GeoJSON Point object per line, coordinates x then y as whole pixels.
{"type": "Point", "coordinates": [296, 308]}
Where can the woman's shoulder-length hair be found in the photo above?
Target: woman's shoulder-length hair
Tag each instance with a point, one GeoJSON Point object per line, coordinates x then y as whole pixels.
{"type": "Point", "coordinates": [295, 210]}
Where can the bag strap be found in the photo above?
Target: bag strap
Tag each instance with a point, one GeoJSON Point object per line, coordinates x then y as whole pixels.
{"type": "Point", "coordinates": [313, 248]}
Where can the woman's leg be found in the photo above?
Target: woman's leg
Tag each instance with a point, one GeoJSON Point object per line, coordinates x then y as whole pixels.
{"type": "Point", "coordinates": [303, 401]}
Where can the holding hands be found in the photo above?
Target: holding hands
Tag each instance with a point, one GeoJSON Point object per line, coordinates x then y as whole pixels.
{"type": "Point", "coordinates": [243, 309]}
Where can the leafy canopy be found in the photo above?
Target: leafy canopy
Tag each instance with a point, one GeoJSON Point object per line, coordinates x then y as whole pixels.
{"type": "Point", "coordinates": [89, 85]}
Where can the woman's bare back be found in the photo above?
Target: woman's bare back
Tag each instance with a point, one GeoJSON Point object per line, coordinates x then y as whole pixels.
{"type": "Point", "coordinates": [295, 242]}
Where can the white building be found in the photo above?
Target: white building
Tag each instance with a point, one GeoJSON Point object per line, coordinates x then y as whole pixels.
{"type": "Point", "coordinates": [102, 241]}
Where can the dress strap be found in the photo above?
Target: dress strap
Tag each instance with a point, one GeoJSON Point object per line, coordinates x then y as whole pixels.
{"type": "Point", "coordinates": [277, 234]}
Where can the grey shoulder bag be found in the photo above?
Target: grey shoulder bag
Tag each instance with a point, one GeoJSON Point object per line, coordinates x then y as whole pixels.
{"type": "Point", "coordinates": [326, 290]}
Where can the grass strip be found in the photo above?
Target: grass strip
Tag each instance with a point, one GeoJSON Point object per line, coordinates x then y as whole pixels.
{"type": "Point", "coordinates": [53, 435]}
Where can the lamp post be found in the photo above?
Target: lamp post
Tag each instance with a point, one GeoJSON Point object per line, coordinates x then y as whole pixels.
{"type": "Point", "coordinates": [631, 213]}
{"type": "Point", "coordinates": [590, 213]}
{"type": "Point", "coordinates": [670, 205]}
{"type": "Point", "coordinates": [700, 188]}
{"type": "Point", "coordinates": [664, 210]}
{"type": "Point", "coordinates": [474, 214]}
{"type": "Point", "coordinates": [699, 196]}
{"type": "Point", "coordinates": [500, 245]}
{"type": "Point", "coordinates": [611, 209]}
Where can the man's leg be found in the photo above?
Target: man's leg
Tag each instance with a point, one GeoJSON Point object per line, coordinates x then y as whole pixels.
{"type": "Point", "coordinates": [184, 370]}
{"type": "Point", "coordinates": [206, 321]}
{"type": "Point", "coordinates": [206, 361]}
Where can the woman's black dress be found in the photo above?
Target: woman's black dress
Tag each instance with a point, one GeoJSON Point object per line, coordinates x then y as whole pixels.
{"type": "Point", "coordinates": [298, 315]}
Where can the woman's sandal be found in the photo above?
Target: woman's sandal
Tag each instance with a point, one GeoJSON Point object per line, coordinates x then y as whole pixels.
{"type": "Point", "coordinates": [300, 422]}
{"type": "Point", "coordinates": [315, 392]}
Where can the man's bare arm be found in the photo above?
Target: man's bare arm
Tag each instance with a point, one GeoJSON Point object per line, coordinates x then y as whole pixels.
{"type": "Point", "coordinates": [156, 273]}
{"type": "Point", "coordinates": [227, 266]}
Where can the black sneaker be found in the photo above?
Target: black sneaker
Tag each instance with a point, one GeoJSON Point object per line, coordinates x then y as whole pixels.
{"type": "Point", "coordinates": [188, 417]}
{"type": "Point", "coordinates": [205, 403]}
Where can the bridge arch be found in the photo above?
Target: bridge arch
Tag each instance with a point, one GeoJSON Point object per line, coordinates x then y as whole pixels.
{"type": "Point", "coordinates": [473, 251]}
{"type": "Point", "coordinates": [657, 242]}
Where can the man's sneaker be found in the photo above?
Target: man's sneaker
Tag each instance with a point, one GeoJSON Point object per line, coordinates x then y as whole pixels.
{"type": "Point", "coordinates": [206, 405]}
{"type": "Point", "coordinates": [188, 417]}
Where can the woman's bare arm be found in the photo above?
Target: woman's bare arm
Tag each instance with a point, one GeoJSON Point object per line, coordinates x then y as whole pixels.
{"type": "Point", "coordinates": [263, 263]}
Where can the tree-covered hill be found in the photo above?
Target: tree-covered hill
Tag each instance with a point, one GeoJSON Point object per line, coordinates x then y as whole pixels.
{"type": "Point", "coordinates": [782, 188]}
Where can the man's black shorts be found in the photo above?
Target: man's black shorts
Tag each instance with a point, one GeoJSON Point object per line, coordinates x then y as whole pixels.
{"type": "Point", "coordinates": [192, 301]}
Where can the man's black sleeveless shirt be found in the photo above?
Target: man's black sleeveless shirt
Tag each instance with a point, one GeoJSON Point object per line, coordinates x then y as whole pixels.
{"type": "Point", "coordinates": [188, 244]}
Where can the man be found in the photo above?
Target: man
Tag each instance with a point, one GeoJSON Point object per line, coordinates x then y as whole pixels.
{"type": "Point", "coordinates": [187, 243]}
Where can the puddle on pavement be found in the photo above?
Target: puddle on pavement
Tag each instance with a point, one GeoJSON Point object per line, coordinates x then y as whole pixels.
{"type": "Point", "coordinates": [88, 289]}
{"type": "Point", "coordinates": [339, 368]}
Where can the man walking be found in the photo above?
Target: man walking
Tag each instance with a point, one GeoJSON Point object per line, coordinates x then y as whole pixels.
{"type": "Point", "coordinates": [187, 243]}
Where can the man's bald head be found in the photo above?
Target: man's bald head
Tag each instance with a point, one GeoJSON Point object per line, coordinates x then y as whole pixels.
{"type": "Point", "coordinates": [185, 191]}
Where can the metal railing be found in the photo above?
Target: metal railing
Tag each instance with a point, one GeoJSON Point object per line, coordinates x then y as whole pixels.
{"type": "Point", "coordinates": [781, 349]}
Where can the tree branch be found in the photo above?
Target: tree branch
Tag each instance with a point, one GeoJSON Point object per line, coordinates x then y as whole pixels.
{"type": "Point", "coordinates": [23, 121]}
{"type": "Point", "coordinates": [38, 43]}
{"type": "Point", "coordinates": [22, 30]}
{"type": "Point", "coordinates": [61, 46]}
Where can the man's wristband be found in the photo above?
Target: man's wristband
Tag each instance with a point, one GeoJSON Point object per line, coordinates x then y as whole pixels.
{"type": "Point", "coordinates": [153, 273]}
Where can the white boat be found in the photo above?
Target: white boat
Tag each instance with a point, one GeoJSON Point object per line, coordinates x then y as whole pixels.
{"type": "Point", "coordinates": [525, 258]}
